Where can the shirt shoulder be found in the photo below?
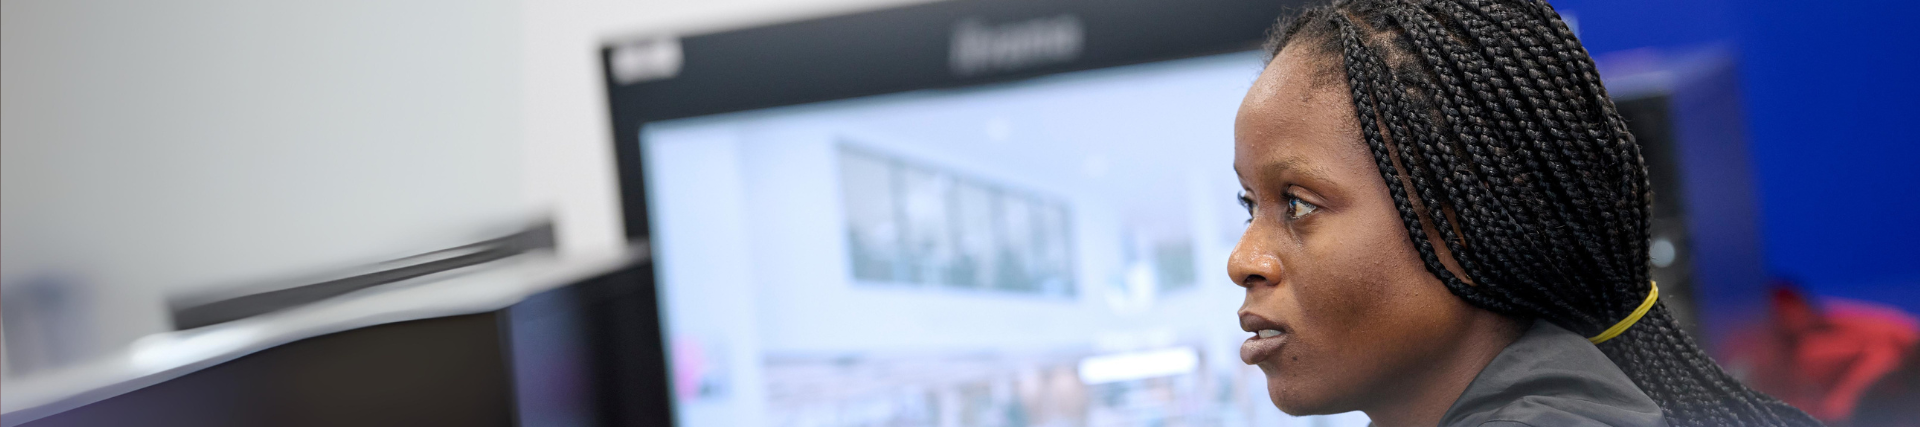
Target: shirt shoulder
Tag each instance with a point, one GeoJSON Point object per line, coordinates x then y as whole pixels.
{"type": "Point", "coordinates": [1553, 377]}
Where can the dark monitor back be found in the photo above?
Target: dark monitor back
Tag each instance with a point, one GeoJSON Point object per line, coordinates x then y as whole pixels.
{"type": "Point", "coordinates": [583, 354]}
{"type": "Point", "coordinates": [443, 371]}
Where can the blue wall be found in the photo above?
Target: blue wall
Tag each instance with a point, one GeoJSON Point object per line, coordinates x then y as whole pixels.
{"type": "Point", "coordinates": [1832, 94]}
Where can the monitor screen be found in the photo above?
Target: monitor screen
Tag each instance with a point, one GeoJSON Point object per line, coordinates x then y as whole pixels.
{"type": "Point", "coordinates": [1048, 251]}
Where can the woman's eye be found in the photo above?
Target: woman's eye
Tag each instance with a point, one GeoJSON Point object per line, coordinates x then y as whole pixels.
{"type": "Point", "coordinates": [1247, 203]}
{"type": "Point", "coordinates": [1297, 208]}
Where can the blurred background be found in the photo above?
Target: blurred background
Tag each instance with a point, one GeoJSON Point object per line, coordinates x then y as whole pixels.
{"type": "Point", "coordinates": [155, 156]}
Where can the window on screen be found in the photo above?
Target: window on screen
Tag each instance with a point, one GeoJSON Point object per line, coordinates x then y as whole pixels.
{"type": "Point", "coordinates": [918, 225]}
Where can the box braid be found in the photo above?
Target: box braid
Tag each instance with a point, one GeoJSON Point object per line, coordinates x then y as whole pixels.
{"type": "Point", "coordinates": [1488, 119]}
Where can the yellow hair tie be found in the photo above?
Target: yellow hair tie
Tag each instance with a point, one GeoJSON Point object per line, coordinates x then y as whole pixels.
{"type": "Point", "coordinates": [1631, 318]}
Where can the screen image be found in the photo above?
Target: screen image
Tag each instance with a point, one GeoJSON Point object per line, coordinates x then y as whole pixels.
{"type": "Point", "coordinates": [1046, 252]}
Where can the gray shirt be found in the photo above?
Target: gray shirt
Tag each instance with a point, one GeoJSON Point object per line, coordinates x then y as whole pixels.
{"type": "Point", "coordinates": [1552, 377]}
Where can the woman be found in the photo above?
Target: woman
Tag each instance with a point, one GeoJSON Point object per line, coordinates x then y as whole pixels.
{"type": "Point", "coordinates": [1449, 227]}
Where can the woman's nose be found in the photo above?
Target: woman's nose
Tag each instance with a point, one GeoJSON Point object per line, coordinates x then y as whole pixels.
{"type": "Point", "coordinates": [1253, 263]}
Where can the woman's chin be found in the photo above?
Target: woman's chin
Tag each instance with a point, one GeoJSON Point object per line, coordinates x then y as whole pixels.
{"type": "Point", "coordinates": [1296, 403]}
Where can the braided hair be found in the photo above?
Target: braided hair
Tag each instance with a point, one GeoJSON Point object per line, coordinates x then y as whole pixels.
{"type": "Point", "coordinates": [1487, 119]}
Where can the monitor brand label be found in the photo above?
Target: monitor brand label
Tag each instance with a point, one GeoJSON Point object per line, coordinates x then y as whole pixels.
{"type": "Point", "coordinates": [981, 48]}
{"type": "Point", "coordinates": [646, 60]}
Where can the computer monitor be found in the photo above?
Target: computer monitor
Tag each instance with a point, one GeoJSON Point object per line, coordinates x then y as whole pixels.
{"type": "Point", "coordinates": [960, 213]}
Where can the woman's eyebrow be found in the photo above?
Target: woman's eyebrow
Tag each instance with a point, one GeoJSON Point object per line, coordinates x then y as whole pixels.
{"type": "Point", "coordinates": [1295, 165]}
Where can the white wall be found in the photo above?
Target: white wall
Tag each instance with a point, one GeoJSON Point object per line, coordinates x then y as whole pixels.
{"type": "Point", "coordinates": [153, 148]}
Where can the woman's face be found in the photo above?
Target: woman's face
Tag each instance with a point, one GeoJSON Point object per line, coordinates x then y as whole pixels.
{"type": "Point", "coordinates": [1326, 261]}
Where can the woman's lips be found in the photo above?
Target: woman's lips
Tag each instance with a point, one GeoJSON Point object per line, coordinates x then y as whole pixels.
{"type": "Point", "coordinates": [1268, 336]}
{"type": "Point", "coordinates": [1263, 345]}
